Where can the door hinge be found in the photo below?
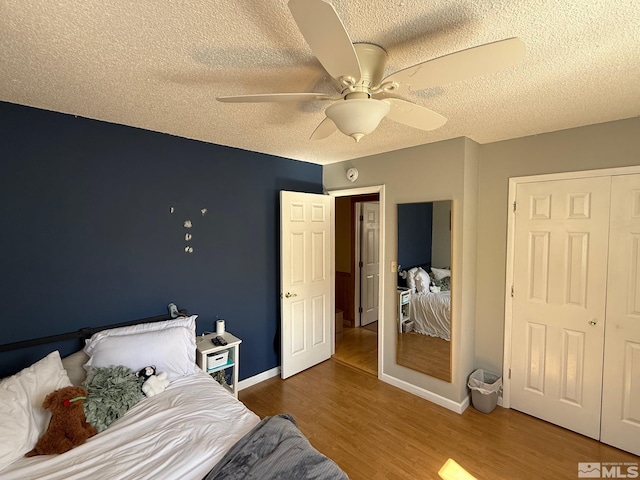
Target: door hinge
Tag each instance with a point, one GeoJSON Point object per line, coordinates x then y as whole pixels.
{"type": "Point", "coordinates": [512, 291]}
{"type": "Point", "coordinates": [360, 264]}
{"type": "Point", "coordinates": [360, 310]}
{"type": "Point", "coordinates": [362, 218]}
{"type": "Point", "coordinates": [514, 207]}
{"type": "Point", "coordinates": [509, 374]}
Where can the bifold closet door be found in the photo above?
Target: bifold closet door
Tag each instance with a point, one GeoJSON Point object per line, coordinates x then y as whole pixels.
{"type": "Point", "coordinates": [559, 300]}
{"type": "Point", "coordinates": [621, 380]}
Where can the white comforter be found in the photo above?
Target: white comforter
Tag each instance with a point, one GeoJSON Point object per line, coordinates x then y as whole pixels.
{"type": "Point", "coordinates": [179, 434]}
{"type": "Point", "coordinates": [430, 313]}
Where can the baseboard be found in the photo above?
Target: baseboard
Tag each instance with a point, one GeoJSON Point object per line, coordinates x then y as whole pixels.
{"type": "Point", "coordinates": [427, 395]}
{"type": "Point", "coordinates": [261, 377]}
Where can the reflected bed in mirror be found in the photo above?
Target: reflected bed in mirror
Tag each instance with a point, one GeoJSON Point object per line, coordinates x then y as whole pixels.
{"type": "Point", "coordinates": [424, 294]}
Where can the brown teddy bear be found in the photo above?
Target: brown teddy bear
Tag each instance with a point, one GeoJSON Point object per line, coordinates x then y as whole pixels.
{"type": "Point", "coordinates": [68, 426]}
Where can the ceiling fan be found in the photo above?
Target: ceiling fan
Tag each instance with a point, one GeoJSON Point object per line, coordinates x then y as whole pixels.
{"type": "Point", "coordinates": [364, 96]}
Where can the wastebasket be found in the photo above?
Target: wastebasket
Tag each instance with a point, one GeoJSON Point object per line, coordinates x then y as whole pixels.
{"type": "Point", "coordinates": [484, 387]}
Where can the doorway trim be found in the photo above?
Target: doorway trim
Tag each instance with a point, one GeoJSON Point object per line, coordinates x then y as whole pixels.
{"type": "Point", "coordinates": [379, 189]}
{"type": "Point", "coordinates": [508, 304]}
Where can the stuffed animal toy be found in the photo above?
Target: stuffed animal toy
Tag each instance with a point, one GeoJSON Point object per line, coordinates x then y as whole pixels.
{"type": "Point", "coordinates": [68, 427]}
{"type": "Point", "coordinates": [146, 372]}
{"type": "Point", "coordinates": [155, 384]}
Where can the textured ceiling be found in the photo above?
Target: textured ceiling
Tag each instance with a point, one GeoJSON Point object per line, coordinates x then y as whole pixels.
{"type": "Point", "coordinates": [159, 65]}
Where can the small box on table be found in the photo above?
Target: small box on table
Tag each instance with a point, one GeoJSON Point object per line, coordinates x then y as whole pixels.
{"type": "Point", "coordinates": [217, 359]}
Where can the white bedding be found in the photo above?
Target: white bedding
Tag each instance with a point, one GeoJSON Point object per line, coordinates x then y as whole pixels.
{"type": "Point", "coordinates": [430, 313]}
{"type": "Point", "coordinates": [179, 434]}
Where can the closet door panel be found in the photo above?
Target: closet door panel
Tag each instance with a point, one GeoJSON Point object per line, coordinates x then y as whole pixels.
{"type": "Point", "coordinates": [560, 265]}
{"type": "Point", "coordinates": [621, 380]}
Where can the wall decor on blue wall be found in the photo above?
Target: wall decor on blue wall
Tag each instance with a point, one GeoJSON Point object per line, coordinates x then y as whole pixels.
{"type": "Point", "coordinates": [93, 218]}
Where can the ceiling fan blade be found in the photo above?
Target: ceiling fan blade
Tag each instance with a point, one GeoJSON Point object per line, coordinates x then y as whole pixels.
{"type": "Point", "coordinates": [480, 60]}
{"type": "Point", "coordinates": [275, 97]}
{"type": "Point", "coordinates": [326, 128]}
{"type": "Point", "coordinates": [413, 115]}
{"type": "Point", "coordinates": [324, 32]}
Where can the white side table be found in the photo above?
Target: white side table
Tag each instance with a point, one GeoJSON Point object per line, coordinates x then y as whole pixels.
{"type": "Point", "coordinates": [404, 297]}
{"type": "Point", "coordinates": [207, 352]}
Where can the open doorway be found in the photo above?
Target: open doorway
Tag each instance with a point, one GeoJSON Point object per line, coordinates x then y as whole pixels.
{"type": "Point", "coordinates": [357, 267]}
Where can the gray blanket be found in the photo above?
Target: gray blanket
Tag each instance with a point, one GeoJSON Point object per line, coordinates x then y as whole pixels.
{"type": "Point", "coordinates": [275, 449]}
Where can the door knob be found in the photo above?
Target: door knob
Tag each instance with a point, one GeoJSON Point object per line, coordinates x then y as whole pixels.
{"type": "Point", "coordinates": [289, 295]}
{"type": "Point", "coordinates": [593, 322]}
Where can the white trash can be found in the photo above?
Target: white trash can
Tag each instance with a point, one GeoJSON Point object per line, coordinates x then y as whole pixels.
{"type": "Point", "coordinates": [485, 387]}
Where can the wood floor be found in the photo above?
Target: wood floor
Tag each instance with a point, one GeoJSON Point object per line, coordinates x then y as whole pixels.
{"type": "Point", "coordinates": [358, 347]}
{"type": "Point", "coordinates": [376, 431]}
{"type": "Point", "coordinates": [429, 355]}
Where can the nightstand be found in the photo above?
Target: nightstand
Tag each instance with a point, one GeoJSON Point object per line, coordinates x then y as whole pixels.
{"type": "Point", "coordinates": [404, 297]}
{"type": "Point", "coordinates": [213, 358]}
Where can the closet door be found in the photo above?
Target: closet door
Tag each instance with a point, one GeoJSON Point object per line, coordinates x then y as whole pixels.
{"type": "Point", "coordinates": [621, 381]}
{"type": "Point", "coordinates": [560, 268]}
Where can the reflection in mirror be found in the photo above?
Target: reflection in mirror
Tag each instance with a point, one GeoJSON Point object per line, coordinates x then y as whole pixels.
{"type": "Point", "coordinates": [424, 294]}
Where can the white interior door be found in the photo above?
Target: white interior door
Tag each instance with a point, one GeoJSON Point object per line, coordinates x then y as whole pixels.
{"type": "Point", "coordinates": [370, 262]}
{"type": "Point", "coordinates": [306, 305]}
{"type": "Point", "coordinates": [621, 386]}
{"type": "Point", "coordinates": [558, 308]}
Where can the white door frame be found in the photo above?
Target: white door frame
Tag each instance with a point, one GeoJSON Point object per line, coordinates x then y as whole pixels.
{"type": "Point", "coordinates": [379, 189]}
{"type": "Point", "coordinates": [508, 304]}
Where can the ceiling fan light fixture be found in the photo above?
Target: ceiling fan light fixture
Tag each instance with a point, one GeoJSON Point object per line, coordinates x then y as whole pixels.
{"type": "Point", "coordinates": [357, 117]}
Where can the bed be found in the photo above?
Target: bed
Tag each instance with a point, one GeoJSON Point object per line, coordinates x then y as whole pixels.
{"type": "Point", "coordinates": [194, 429]}
{"type": "Point", "coordinates": [430, 312]}
{"type": "Point", "coordinates": [430, 301]}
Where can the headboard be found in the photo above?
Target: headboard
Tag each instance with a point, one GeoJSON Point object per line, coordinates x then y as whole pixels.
{"type": "Point", "coordinates": [18, 355]}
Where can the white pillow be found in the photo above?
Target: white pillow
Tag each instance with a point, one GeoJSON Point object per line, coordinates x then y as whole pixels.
{"type": "Point", "coordinates": [73, 364]}
{"type": "Point", "coordinates": [22, 418]}
{"type": "Point", "coordinates": [422, 281]}
{"type": "Point", "coordinates": [440, 273]}
{"type": "Point", "coordinates": [188, 322]}
{"type": "Point", "coordinates": [411, 280]}
{"type": "Point", "coordinates": [171, 350]}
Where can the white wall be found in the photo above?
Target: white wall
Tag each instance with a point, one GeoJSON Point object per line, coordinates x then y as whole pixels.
{"type": "Point", "coordinates": [418, 174]}
{"type": "Point", "coordinates": [613, 144]}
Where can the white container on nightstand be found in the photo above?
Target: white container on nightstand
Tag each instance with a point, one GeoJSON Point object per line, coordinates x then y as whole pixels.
{"type": "Point", "coordinates": [215, 360]}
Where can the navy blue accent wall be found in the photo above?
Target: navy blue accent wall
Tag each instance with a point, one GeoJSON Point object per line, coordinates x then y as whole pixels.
{"type": "Point", "coordinates": [414, 234]}
{"type": "Point", "coordinates": [88, 238]}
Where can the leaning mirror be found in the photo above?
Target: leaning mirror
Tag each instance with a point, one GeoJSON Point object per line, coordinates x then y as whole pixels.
{"type": "Point", "coordinates": [424, 295]}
